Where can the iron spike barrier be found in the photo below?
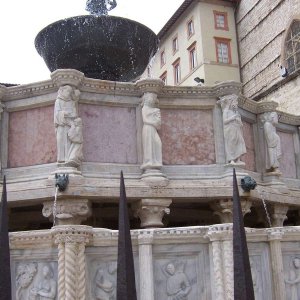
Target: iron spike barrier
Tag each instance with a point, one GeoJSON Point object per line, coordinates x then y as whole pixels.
{"type": "Point", "coordinates": [5, 276]}
{"type": "Point", "coordinates": [243, 285]}
{"type": "Point", "coordinates": [126, 289]}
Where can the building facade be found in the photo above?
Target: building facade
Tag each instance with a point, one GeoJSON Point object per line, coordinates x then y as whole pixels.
{"type": "Point", "coordinates": [198, 41]}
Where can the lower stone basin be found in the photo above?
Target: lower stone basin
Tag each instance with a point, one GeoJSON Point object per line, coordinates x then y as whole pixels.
{"type": "Point", "coordinates": [102, 47]}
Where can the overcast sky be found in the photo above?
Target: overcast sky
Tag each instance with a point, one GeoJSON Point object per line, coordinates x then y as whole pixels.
{"type": "Point", "coordinates": [21, 20]}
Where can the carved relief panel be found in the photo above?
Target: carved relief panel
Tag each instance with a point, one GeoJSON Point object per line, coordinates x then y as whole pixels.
{"type": "Point", "coordinates": [35, 280]}
{"type": "Point", "coordinates": [181, 272]}
{"type": "Point", "coordinates": [102, 273]}
{"type": "Point", "coordinates": [260, 262]}
{"type": "Point", "coordinates": [291, 269]}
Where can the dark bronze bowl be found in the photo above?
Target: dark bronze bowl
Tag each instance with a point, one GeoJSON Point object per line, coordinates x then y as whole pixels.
{"type": "Point", "coordinates": [104, 47]}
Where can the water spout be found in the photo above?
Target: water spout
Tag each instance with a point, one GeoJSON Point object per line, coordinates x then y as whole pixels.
{"type": "Point", "coordinates": [55, 205]}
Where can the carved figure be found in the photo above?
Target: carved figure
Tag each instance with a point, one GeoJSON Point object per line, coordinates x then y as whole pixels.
{"type": "Point", "coordinates": [24, 277]}
{"type": "Point", "coordinates": [178, 284]}
{"type": "Point", "coordinates": [47, 286]}
{"type": "Point", "coordinates": [75, 154]}
{"type": "Point", "coordinates": [293, 280]}
{"type": "Point", "coordinates": [100, 7]}
{"type": "Point", "coordinates": [103, 287]}
{"type": "Point", "coordinates": [65, 111]}
{"type": "Point", "coordinates": [233, 134]}
{"type": "Point", "coordinates": [273, 146]}
{"type": "Point", "coordinates": [152, 148]}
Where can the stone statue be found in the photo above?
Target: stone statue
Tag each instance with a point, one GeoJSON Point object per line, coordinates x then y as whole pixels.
{"type": "Point", "coordinates": [233, 134]}
{"type": "Point", "coordinates": [103, 287]}
{"type": "Point", "coordinates": [293, 280]}
{"type": "Point", "coordinates": [46, 289]}
{"type": "Point", "coordinates": [65, 112]}
{"type": "Point", "coordinates": [100, 7]}
{"type": "Point", "coordinates": [273, 146]}
{"type": "Point", "coordinates": [178, 284]}
{"type": "Point", "coordinates": [152, 148]}
{"type": "Point", "coordinates": [24, 277]}
{"type": "Point", "coordinates": [75, 154]}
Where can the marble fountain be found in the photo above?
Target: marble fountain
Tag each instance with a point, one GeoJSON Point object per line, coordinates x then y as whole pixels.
{"type": "Point", "coordinates": [176, 146]}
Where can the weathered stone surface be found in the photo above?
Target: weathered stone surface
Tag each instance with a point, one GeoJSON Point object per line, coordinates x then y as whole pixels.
{"type": "Point", "coordinates": [31, 137]}
{"type": "Point", "coordinates": [187, 137]}
{"type": "Point", "coordinates": [109, 134]}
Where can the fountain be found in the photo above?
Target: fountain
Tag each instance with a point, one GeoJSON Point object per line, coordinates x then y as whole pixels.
{"type": "Point", "coordinates": [100, 46]}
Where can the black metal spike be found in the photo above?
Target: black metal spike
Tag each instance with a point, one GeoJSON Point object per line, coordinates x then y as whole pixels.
{"type": "Point", "coordinates": [5, 277]}
{"type": "Point", "coordinates": [126, 289]}
{"type": "Point", "coordinates": [243, 285]}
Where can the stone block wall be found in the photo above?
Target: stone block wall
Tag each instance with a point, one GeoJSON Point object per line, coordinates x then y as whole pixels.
{"type": "Point", "coordinates": [261, 27]}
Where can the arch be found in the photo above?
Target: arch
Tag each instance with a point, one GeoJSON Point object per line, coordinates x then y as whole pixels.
{"type": "Point", "coordinates": [290, 58]}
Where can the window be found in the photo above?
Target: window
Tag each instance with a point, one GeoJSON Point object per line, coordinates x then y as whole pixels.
{"type": "Point", "coordinates": [292, 47]}
{"type": "Point", "coordinates": [223, 50]}
{"type": "Point", "coordinates": [162, 58]}
{"type": "Point", "coordinates": [190, 28]}
{"type": "Point", "coordinates": [163, 77]}
{"type": "Point", "coordinates": [176, 68]}
{"type": "Point", "coordinates": [192, 56]}
{"type": "Point", "coordinates": [175, 44]}
{"type": "Point", "coordinates": [221, 20]}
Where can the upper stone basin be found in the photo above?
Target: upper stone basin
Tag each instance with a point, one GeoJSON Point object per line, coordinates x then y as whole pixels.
{"type": "Point", "coordinates": [102, 47]}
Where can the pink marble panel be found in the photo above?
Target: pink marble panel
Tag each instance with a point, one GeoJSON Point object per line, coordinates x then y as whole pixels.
{"type": "Point", "coordinates": [109, 134]}
{"type": "Point", "coordinates": [31, 139]}
{"type": "Point", "coordinates": [187, 137]}
{"type": "Point", "coordinates": [249, 157]}
{"type": "Point", "coordinates": [287, 162]}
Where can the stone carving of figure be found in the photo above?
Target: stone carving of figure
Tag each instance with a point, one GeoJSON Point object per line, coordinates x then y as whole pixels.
{"type": "Point", "coordinates": [293, 280]}
{"type": "Point", "coordinates": [233, 133]}
{"type": "Point", "coordinates": [178, 284]}
{"type": "Point", "coordinates": [65, 111]}
{"type": "Point", "coordinates": [273, 146]}
{"type": "Point", "coordinates": [46, 289]}
{"type": "Point", "coordinates": [25, 274]}
{"type": "Point", "coordinates": [152, 148]}
{"type": "Point", "coordinates": [100, 7]}
{"type": "Point", "coordinates": [75, 154]}
{"type": "Point", "coordinates": [103, 287]}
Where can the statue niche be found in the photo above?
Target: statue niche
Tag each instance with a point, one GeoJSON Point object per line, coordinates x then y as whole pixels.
{"type": "Point", "coordinates": [235, 145]}
{"type": "Point", "coordinates": [152, 147]}
{"type": "Point", "coordinates": [68, 127]}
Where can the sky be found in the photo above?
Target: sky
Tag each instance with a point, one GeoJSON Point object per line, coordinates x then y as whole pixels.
{"type": "Point", "coordinates": [21, 20]}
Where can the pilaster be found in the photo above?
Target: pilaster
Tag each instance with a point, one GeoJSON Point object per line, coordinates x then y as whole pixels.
{"type": "Point", "coordinates": [71, 242]}
{"type": "Point", "coordinates": [275, 236]}
{"type": "Point", "coordinates": [151, 211]}
{"type": "Point", "coordinates": [145, 241]}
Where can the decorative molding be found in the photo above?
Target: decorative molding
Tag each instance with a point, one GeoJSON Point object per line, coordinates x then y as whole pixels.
{"type": "Point", "coordinates": [150, 85]}
{"type": "Point", "coordinates": [151, 211]}
{"type": "Point", "coordinates": [268, 106]}
{"type": "Point", "coordinates": [279, 214]}
{"type": "Point", "coordinates": [26, 239]}
{"type": "Point", "coordinates": [71, 77]}
{"type": "Point", "coordinates": [72, 234]}
{"type": "Point", "coordinates": [68, 211]}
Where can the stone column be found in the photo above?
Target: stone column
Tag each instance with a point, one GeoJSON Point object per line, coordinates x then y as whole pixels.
{"type": "Point", "coordinates": [68, 211]}
{"type": "Point", "coordinates": [275, 236]}
{"type": "Point", "coordinates": [216, 246]}
{"type": "Point", "coordinates": [145, 241]}
{"type": "Point", "coordinates": [222, 251]}
{"type": "Point", "coordinates": [151, 211]}
{"type": "Point", "coordinates": [279, 214]}
{"type": "Point", "coordinates": [224, 209]}
{"type": "Point", "coordinates": [71, 241]}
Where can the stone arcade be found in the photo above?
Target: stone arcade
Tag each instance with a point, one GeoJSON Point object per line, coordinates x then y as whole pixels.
{"type": "Point", "coordinates": [192, 188]}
